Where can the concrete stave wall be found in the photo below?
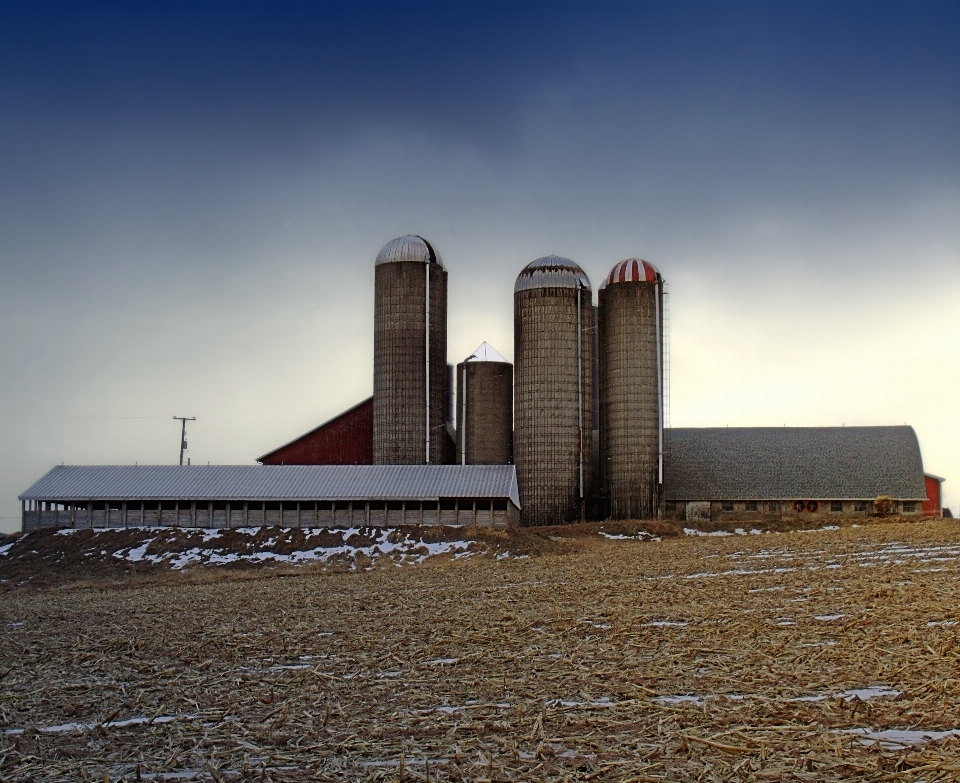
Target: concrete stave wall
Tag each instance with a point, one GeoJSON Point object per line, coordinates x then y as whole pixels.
{"type": "Point", "coordinates": [485, 433]}
{"type": "Point", "coordinates": [547, 435]}
{"type": "Point", "coordinates": [399, 366]}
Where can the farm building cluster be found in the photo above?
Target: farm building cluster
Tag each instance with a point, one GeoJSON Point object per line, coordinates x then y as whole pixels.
{"type": "Point", "coordinates": [574, 430]}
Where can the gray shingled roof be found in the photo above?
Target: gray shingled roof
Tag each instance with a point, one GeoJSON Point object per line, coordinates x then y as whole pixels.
{"type": "Point", "coordinates": [275, 482]}
{"type": "Point", "coordinates": [814, 463]}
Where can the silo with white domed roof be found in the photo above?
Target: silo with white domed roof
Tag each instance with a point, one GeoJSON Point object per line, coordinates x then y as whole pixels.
{"type": "Point", "coordinates": [553, 391]}
{"type": "Point", "coordinates": [409, 354]}
{"type": "Point", "coordinates": [631, 389]}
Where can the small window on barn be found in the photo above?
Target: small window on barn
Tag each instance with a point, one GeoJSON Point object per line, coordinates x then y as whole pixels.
{"type": "Point", "coordinates": [773, 508]}
{"type": "Point", "coordinates": [218, 505]}
{"type": "Point", "coordinates": [448, 504]}
{"type": "Point", "coordinates": [483, 505]}
{"type": "Point", "coordinates": [429, 505]}
{"type": "Point", "coordinates": [909, 507]}
{"type": "Point", "coordinates": [255, 505]}
{"type": "Point", "coordinates": [271, 505]}
{"type": "Point", "coordinates": [169, 505]}
{"type": "Point", "coordinates": [727, 505]}
{"type": "Point", "coordinates": [377, 505]}
{"type": "Point", "coordinates": [861, 506]}
{"type": "Point", "coordinates": [670, 507]}
{"type": "Point", "coordinates": [395, 505]}
{"type": "Point", "coordinates": [465, 505]}
{"type": "Point", "coordinates": [289, 505]}
{"type": "Point", "coordinates": [324, 506]}
{"type": "Point", "coordinates": [342, 505]}
{"type": "Point", "coordinates": [751, 505]}
{"type": "Point", "coordinates": [499, 505]}
{"type": "Point", "coordinates": [116, 505]}
{"type": "Point", "coordinates": [836, 506]}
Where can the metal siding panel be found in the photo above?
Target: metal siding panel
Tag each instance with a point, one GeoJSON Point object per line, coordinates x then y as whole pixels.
{"type": "Point", "coordinates": [273, 482]}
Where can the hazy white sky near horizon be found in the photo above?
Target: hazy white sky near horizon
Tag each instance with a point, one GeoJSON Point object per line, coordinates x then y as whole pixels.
{"type": "Point", "coordinates": [194, 233]}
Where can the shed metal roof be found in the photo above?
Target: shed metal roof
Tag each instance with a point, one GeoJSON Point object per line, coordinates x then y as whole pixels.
{"type": "Point", "coordinates": [275, 482]}
{"type": "Point", "coordinates": [814, 463]}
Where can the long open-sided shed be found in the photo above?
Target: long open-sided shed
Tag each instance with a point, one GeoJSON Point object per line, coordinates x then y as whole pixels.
{"type": "Point", "coordinates": [289, 495]}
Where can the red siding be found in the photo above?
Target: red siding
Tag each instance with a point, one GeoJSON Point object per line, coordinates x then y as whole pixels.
{"type": "Point", "coordinates": [932, 506]}
{"type": "Point", "coordinates": [344, 440]}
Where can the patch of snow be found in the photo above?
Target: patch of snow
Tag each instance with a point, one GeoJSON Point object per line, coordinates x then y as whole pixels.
{"type": "Point", "coordinates": [664, 624]}
{"type": "Point", "coordinates": [113, 724]}
{"type": "Point", "coordinates": [894, 739]}
{"type": "Point", "coordinates": [5, 549]}
{"type": "Point", "coordinates": [829, 617]}
{"type": "Point", "coordinates": [689, 531]}
{"type": "Point", "coordinates": [683, 699]}
{"type": "Point", "coordinates": [944, 623]}
{"type": "Point", "coordinates": [874, 692]}
{"type": "Point", "coordinates": [442, 662]}
{"type": "Point", "coordinates": [67, 531]}
{"type": "Point", "coordinates": [136, 554]}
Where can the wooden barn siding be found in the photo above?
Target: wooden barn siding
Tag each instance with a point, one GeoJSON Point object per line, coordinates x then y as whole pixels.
{"type": "Point", "coordinates": [932, 506]}
{"type": "Point", "coordinates": [345, 440]}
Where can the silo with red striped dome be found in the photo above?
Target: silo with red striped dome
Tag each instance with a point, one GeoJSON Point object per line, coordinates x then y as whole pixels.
{"type": "Point", "coordinates": [631, 389]}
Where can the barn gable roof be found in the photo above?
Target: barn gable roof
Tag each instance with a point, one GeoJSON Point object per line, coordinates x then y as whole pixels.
{"type": "Point", "coordinates": [275, 482]}
{"type": "Point", "coordinates": [823, 463]}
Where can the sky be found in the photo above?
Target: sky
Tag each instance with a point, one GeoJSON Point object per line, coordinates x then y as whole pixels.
{"type": "Point", "coordinates": [192, 196]}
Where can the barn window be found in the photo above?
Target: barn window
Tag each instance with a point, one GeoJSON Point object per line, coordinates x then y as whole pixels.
{"type": "Point", "coordinates": [395, 505]}
{"type": "Point", "coordinates": [751, 505]}
{"type": "Point", "coordinates": [499, 505]}
{"type": "Point", "coordinates": [670, 507]}
{"type": "Point", "coordinates": [219, 505]}
{"type": "Point", "coordinates": [169, 505]}
{"type": "Point", "coordinates": [836, 506]}
{"type": "Point", "coordinates": [483, 505]}
{"type": "Point", "coordinates": [861, 506]}
{"type": "Point", "coordinates": [271, 505]}
{"type": "Point", "coordinates": [727, 505]}
{"type": "Point", "coordinates": [342, 505]}
{"type": "Point", "coordinates": [288, 505]}
{"type": "Point", "coordinates": [429, 505]}
{"type": "Point", "coordinates": [773, 508]}
{"type": "Point", "coordinates": [909, 507]}
{"type": "Point", "coordinates": [465, 505]}
{"type": "Point", "coordinates": [377, 505]}
{"type": "Point", "coordinates": [448, 504]}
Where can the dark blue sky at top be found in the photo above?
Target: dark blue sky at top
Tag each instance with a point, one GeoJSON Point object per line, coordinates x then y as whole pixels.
{"type": "Point", "coordinates": [859, 90]}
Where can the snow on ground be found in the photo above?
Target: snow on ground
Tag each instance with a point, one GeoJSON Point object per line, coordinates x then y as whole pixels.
{"type": "Point", "coordinates": [898, 739]}
{"type": "Point", "coordinates": [242, 545]}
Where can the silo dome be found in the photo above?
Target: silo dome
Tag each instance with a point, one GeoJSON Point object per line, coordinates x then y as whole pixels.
{"type": "Point", "coordinates": [551, 272]}
{"type": "Point", "coordinates": [632, 270]}
{"type": "Point", "coordinates": [408, 248]}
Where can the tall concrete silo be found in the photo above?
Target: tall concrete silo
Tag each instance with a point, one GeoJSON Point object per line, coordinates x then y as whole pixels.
{"type": "Point", "coordinates": [553, 391]}
{"type": "Point", "coordinates": [631, 389]}
{"type": "Point", "coordinates": [484, 409]}
{"type": "Point", "coordinates": [409, 354]}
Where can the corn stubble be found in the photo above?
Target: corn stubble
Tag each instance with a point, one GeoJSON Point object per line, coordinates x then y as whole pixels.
{"type": "Point", "coordinates": [611, 661]}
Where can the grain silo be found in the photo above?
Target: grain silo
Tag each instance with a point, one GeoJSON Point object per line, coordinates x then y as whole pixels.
{"type": "Point", "coordinates": [484, 409]}
{"type": "Point", "coordinates": [553, 391]}
{"type": "Point", "coordinates": [631, 389]}
{"type": "Point", "coordinates": [409, 354]}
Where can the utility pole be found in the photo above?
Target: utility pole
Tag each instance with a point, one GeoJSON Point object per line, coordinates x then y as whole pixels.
{"type": "Point", "coordinates": [183, 433]}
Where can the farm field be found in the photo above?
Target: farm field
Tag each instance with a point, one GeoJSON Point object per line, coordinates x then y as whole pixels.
{"type": "Point", "coordinates": [820, 655]}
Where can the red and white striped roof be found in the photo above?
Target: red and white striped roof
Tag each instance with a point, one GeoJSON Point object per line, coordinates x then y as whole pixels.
{"type": "Point", "coordinates": [633, 270]}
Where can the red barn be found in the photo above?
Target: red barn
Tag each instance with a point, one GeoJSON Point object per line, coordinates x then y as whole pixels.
{"type": "Point", "coordinates": [346, 439]}
{"type": "Point", "coordinates": [933, 505]}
